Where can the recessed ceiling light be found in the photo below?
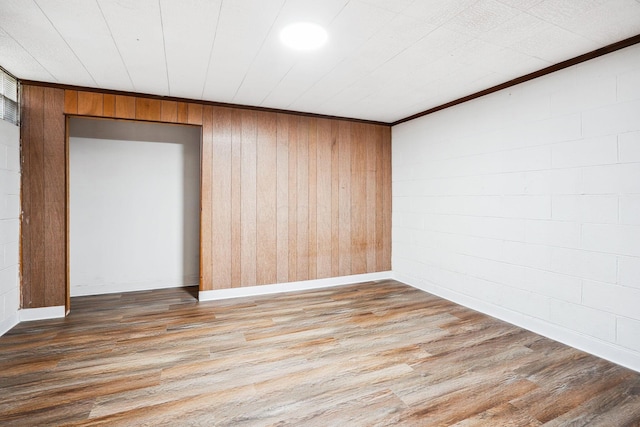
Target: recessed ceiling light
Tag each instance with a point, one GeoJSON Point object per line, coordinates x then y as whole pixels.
{"type": "Point", "coordinates": [303, 36]}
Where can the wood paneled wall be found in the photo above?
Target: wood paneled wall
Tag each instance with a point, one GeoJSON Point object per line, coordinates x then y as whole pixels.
{"type": "Point", "coordinates": [44, 223]}
{"type": "Point", "coordinates": [285, 197]}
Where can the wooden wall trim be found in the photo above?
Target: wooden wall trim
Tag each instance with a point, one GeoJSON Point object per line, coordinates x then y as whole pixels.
{"type": "Point", "coordinates": [172, 99]}
{"type": "Point", "coordinates": [284, 197]}
{"type": "Point", "coordinates": [43, 198]}
{"type": "Point", "coordinates": [543, 72]}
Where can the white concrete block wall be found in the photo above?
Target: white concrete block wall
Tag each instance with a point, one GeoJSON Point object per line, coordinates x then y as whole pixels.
{"type": "Point", "coordinates": [9, 225]}
{"type": "Point", "coordinates": [525, 204]}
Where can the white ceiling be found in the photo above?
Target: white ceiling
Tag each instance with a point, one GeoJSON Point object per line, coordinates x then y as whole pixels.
{"type": "Point", "coordinates": [385, 60]}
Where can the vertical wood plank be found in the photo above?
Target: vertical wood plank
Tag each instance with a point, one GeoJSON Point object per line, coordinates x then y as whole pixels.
{"type": "Point", "coordinates": [54, 198]}
{"type": "Point", "coordinates": [183, 112]}
{"type": "Point", "coordinates": [266, 241]}
{"type": "Point", "coordinates": [36, 183]}
{"type": "Point", "coordinates": [380, 189]}
{"type": "Point", "coordinates": [336, 165]}
{"type": "Point", "coordinates": [236, 205]}
{"type": "Point", "coordinates": [293, 198]}
{"type": "Point", "coordinates": [324, 199]}
{"type": "Point", "coordinates": [219, 200]}
{"type": "Point", "coordinates": [169, 111]}
{"type": "Point", "coordinates": [344, 246]}
{"type": "Point", "coordinates": [371, 143]}
{"type": "Point", "coordinates": [386, 190]}
{"type": "Point", "coordinates": [282, 198]}
{"type": "Point", "coordinates": [248, 198]}
{"type": "Point", "coordinates": [149, 109]}
{"type": "Point", "coordinates": [90, 103]}
{"type": "Point", "coordinates": [194, 114]}
{"type": "Point", "coordinates": [109, 105]}
{"type": "Point", "coordinates": [25, 198]}
{"type": "Point", "coordinates": [125, 107]}
{"type": "Point", "coordinates": [208, 264]}
{"type": "Point", "coordinates": [67, 218]}
{"type": "Point", "coordinates": [70, 101]}
{"type": "Point", "coordinates": [313, 199]}
{"type": "Point", "coordinates": [358, 199]}
{"type": "Point", "coordinates": [303, 199]}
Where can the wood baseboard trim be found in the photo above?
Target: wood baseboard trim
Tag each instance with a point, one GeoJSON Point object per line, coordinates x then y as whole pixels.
{"type": "Point", "coordinates": [304, 285]}
{"type": "Point", "coordinates": [591, 345]}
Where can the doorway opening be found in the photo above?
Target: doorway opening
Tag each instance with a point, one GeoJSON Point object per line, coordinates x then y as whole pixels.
{"type": "Point", "coordinates": [134, 206]}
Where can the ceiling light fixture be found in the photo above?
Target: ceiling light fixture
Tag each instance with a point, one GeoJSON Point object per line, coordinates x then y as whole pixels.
{"type": "Point", "coordinates": [303, 36]}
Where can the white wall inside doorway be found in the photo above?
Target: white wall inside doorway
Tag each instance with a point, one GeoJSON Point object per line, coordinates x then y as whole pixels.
{"type": "Point", "coordinates": [134, 199]}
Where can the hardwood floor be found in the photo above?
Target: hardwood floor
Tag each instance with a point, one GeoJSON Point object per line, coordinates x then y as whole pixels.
{"type": "Point", "coordinates": [372, 354]}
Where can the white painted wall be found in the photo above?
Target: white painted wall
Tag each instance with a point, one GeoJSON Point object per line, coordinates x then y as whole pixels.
{"type": "Point", "coordinates": [134, 206]}
{"type": "Point", "coordinates": [525, 204]}
{"type": "Point", "coordinates": [9, 225]}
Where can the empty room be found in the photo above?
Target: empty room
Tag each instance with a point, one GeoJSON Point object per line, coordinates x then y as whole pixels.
{"type": "Point", "coordinates": [320, 213]}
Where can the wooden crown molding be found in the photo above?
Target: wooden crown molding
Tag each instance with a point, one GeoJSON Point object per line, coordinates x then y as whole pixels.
{"type": "Point", "coordinates": [543, 72]}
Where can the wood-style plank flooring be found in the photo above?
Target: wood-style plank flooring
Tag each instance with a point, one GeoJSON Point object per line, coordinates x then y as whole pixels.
{"type": "Point", "coordinates": [372, 354]}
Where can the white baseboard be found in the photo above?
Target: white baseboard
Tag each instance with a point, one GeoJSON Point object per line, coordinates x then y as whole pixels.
{"type": "Point", "coordinates": [604, 350]}
{"type": "Point", "coordinates": [42, 313]}
{"type": "Point", "coordinates": [8, 323]}
{"type": "Point", "coordinates": [81, 291]}
{"type": "Point", "coordinates": [304, 285]}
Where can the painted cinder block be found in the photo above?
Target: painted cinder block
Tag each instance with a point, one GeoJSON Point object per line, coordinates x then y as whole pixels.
{"type": "Point", "coordinates": [11, 254]}
{"type": "Point", "coordinates": [559, 286]}
{"type": "Point", "coordinates": [9, 182]}
{"type": "Point", "coordinates": [601, 150]}
{"type": "Point", "coordinates": [528, 303]}
{"type": "Point", "coordinates": [620, 300]}
{"type": "Point", "coordinates": [554, 129]}
{"type": "Point", "coordinates": [601, 209]}
{"type": "Point", "coordinates": [526, 159]}
{"type": "Point", "coordinates": [629, 271]}
{"type": "Point", "coordinates": [553, 233]}
{"type": "Point", "coordinates": [611, 119]}
{"type": "Point", "coordinates": [629, 147]}
{"type": "Point", "coordinates": [583, 319]}
{"type": "Point", "coordinates": [3, 157]}
{"type": "Point", "coordinates": [526, 207]}
{"type": "Point", "coordinates": [13, 159]}
{"type": "Point", "coordinates": [610, 179]}
{"type": "Point", "coordinates": [9, 220]}
{"type": "Point", "coordinates": [581, 94]}
{"type": "Point", "coordinates": [614, 239]}
{"type": "Point", "coordinates": [8, 278]}
{"type": "Point", "coordinates": [629, 85]}
{"type": "Point", "coordinates": [556, 181]}
{"type": "Point", "coordinates": [585, 264]}
{"type": "Point", "coordinates": [533, 207]}
{"type": "Point", "coordinates": [628, 333]}
{"type": "Point", "coordinates": [630, 209]}
{"type": "Point", "coordinates": [527, 254]}
{"type": "Point", "coordinates": [9, 229]}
